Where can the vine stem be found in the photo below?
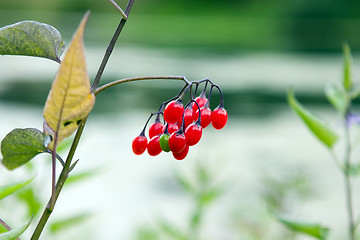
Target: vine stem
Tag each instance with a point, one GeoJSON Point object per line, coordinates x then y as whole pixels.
{"type": "Point", "coordinates": [347, 180]}
{"type": "Point", "coordinates": [59, 185]}
{"type": "Point", "coordinates": [133, 79]}
{"type": "Point", "coordinates": [111, 46]}
{"type": "Point", "coordinates": [67, 166]}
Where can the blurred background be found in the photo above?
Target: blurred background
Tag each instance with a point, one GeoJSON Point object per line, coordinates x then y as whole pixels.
{"type": "Point", "coordinates": [263, 159]}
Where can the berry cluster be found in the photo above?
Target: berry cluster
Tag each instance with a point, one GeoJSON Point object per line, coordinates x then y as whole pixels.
{"type": "Point", "coordinates": [182, 125]}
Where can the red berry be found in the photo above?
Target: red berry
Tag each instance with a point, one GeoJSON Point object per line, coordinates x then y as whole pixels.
{"type": "Point", "coordinates": [193, 134]}
{"type": "Point", "coordinates": [154, 146]}
{"type": "Point", "coordinates": [156, 129]}
{"type": "Point", "coordinates": [172, 127]}
{"type": "Point", "coordinates": [173, 112]}
{"type": "Point", "coordinates": [181, 155]}
{"type": "Point", "coordinates": [205, 116]}
{"type": "Point", "coordinates": [188, 117]}
{"type": "Point", "coordinates": [139, 145]}
{"type": "Point", "coordinates": [201, 101]}
{"type": "Point", "coordinates": [177, 142]}
{"type": "Point", "coordinates": [219, 118]}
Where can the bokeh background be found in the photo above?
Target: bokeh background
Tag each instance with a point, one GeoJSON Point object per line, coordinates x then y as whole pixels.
{"type": "Point", "coordinates": [264, 159]}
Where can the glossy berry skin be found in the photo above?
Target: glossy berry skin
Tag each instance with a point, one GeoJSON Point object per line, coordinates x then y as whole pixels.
{"type": "Point", "coordinates": [172, 127]}
{"type": "Point", "coordinates": [164, 142]}
{"type": "Point", "coordinates": [154, 146]}
{"type": "Point", "coordinates": [201, 101]}
{"type": "Point", "coordinates": [205, 117]}
{"type": "Point", "coordinates": [188, 117]}
{"type": "Point", "coordinates": [156, 129]}
{"type": "Point", "coordinates": [177, 142]}
{"type": "Point", "coordinates": [219, 118]}
{"type": "Point", "coordinates": [173, 112]}
{"type": "Point", "coordinates": [139, 145]}
{"type": "Point", "coordinates": [193, 134]}
{"type": "Point", "coordinates": [181, 155]}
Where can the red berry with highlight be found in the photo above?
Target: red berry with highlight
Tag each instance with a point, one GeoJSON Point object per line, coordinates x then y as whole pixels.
{"type": "Point", "coordinates": [181, 155]}
{"type": "Point", "coordinates": [205, 116]}
{"type": "Point", "coordinates": [139, 145]}
{"type": "Point", "coordinates": [156, 129]}
{"type": "Point", "coordinates": [219, 118]}
{"type": "Point", "coordinates": [188, 117]}
{"type": "Point", "coordinates": [193, 134]}
{"type": "Point", "coordinates": [201, 101]}
{"type": "Point", "coordinates": [172, 127]}
{"type": "Point", "coordinates": [154, 146]}
{"type": "Point", "coordinates": [177, 142]}
{"type": "Point", "coordinates": [173, 112]}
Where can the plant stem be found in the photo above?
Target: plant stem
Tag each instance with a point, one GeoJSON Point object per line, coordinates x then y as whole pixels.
{"type": "Point", "coordinates": [111, 46]}
{"type": "Point", "coordinates": [66, 167]}
{"type": "Point", "coordinates": [60, 183]}
{"type": "Point", "coordinates": [124, 80]}
{"type": "Point", "coordinates": [348, 190]}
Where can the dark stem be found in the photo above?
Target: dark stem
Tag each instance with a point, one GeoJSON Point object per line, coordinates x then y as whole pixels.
{"type": "Point", "coordinates": [111, 46]}
{"type": "Point", "coordinates": [348, 190]}
{"type": "Point", "coordinates": [124, 80]}
{"type": "Point", "coordinates": [66, 167]}
{"type": "Point", "coordinates": [7, 227]}
{"type": "Point", "coordinates": [60, 183]}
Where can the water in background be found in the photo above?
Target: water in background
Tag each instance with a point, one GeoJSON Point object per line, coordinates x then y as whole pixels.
{"type": "Point", "coordinates": [262, 140]}
{"type": "Point", "coordinates": [260, 155]}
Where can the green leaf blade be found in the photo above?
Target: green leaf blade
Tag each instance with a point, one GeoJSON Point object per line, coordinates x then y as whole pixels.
{"type": "Point", "coordinates": [312, 229]}
{"type": "Point", "coordinates": [31, 38]}
{"type": "Point", "coordinates": [319, 128]}
{"type": "Point", "coordinates": [347, 78]}
{"type": "Point", "coordinates": [337, 97]}
{"type": "Point", "coordinates": [21, 145]}
{"type": "Point", "coordinates": [15, 233]}
{"type": "Point", "coordinates": [69, 222]}
{"type": "Point", "coordinates": [10, 189]}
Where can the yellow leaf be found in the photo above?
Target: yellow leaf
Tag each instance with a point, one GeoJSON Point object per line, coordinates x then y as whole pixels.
{"type": "Point", "coordinates": [70, 99]}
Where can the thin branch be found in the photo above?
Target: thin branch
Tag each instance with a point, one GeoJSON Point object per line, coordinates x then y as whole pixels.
{"type": "Point", "coordinates": [58, 157]}
{"type": "Point", "coordinates": [66, 167]}
{"type": "Point", "coordinates": [7, 227]}
{"type": "Point", "coordinates": [111, 46]}
{"type": "Point", "coordinates": [348, 190]}
{"type": "Point", "coordinates": [119, 9]}
{"type": "Point", "coordinates": [124, 80]}
{"type": "Point", "coordinates": [60, 183]}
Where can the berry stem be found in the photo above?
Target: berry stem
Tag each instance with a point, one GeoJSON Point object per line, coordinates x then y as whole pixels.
{"type": "Point", "coordinates": [111, 46]}
{"type": "Point", "coordinates": [133, 79]}
{"type": "Point", "coordinates": [221, 105]}
{"type": "Point", "coordinates": [147, 122]}
{"type": "Point", "coordinates": [199, 118]}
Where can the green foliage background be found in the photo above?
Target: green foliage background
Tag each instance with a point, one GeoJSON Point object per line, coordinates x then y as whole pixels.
{"type": "Point", "coordinates": [219, 25]}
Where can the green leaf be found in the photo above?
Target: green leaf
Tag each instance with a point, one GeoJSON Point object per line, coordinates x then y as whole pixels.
{"type": "Point", "coordinates": [68, 222]}
{"type": "Point", "coordinates": [312, 229]}
{"type": "Point", "coordinates": [185, 184]}
{"type": "Point", "coordinates": [171, 231]}
{"type": "Point", "coordinates": [15, 233]}
{"type": "Point", "coordinates": [31, 38]}
{"type": "Point", "coordinates": [337, 97]}
{"type": "Point", "coordinates": [354, 170]}
{"type": "Point", "coordinates": [21, 145]}
{"type": "Point", "coordinates": [9, 189]}
{"type": "Point", "coordinates": [74, 178]}
{"type": "Point", "coordinates": [347, 79]}
{"type": "Point", "coordinates": [210, 196]}
{"type": "Point", "coordinates": [31, 199]}
{"type": "Point", "coordinates": [319, 128]}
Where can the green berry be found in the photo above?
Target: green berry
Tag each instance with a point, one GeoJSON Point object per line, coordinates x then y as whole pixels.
{"type": "Point", "coordinates": [164, 142]}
